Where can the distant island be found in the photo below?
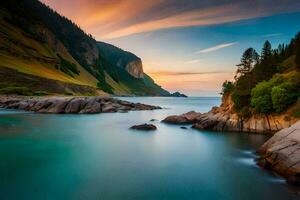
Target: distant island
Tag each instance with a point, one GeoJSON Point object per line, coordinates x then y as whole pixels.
{"type": "Point", "coordinates": [178, 94]}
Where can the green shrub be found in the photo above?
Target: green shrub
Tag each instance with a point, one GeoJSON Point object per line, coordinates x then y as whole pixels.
{"type": "Point", "coordinates": [283, 95]}
{"type": "Point", "coordinates": [261, 97]}
{"type": "Point", "coordinates": [262, 104]}
{"type": "Point", "coordinates": [279, 98]}
{"type": "Point", "coordinates": [227, 87]}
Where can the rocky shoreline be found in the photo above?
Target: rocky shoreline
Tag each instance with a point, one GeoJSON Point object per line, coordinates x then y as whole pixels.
{"type": "Point", "coordinates": [281, 154]}
{"type": "Point", "coordinates": [218, 120]}
{"type": "Point", "coordinates": [224, 118]}
{"type": "Point", "coordinates": [71, 105]}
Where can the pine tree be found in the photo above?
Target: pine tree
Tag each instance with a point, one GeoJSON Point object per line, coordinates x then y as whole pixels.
{"type": "Point", "coordinates": [249, 59]}
{"type": "Point", "coordinates": [297, 60]}
{"type": "Point", "coordinates": [266, 51]}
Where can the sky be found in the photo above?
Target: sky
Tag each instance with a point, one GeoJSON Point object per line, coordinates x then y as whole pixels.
{"type": "Point", "coordinates": [190, 46]}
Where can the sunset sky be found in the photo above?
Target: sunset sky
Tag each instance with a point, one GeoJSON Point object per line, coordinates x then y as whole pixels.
{"type": "Point", "coordinates": [186, 45]}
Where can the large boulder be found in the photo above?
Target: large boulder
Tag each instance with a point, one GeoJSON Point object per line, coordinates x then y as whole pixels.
{"type": "Point", "coordinates": [187, 118]}
{"type": "Point", "coordinates": [92, 106]}
{"type": "Point", "coordinates": [281, 153]}
{"type": "Point", "coordinates": [109, 107]}
{"type": "Point", "coordinates": [58, 107]}
{"type": "Point", "coordinates": [145, 127]}
{"type": "Point", "coordinates": [75, 105]}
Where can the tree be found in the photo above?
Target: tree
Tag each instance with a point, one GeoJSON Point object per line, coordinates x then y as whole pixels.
{"type": "Point", "coordinates": [297, 60]}
{"type": "Point", "coordinates": [261, 98]}
{"type": "Point", "coordinates": [266, 51]}
{"type": "Point", "coordinates": [227, 87]}
{"type": "Point", "coordinates": [249, 59]}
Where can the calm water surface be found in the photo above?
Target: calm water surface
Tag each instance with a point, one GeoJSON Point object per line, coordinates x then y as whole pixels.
{"type": "Point", "coordinates": [98, 157]}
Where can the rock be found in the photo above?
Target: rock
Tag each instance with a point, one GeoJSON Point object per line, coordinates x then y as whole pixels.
{"type": "Point", "coordinates": [187, 118]}
{"type": "Point", "coordinates": [47, 104]}
{"type": "Point", "coordinates": [76, 105]}
{"type": "Point", "coordinates": [135, 68]}
{"type": "Point", "coordinates": [92, 106]}
{"type": "Point", "coordinates": [108, 107]}
{"type": "Point", "coordinates": [183, 127]}
{"type": "Point", "coordinates": [153, 120]}
{"type": "Point", "coordinates": [281, 154]}
{"type": "Point", "coordinates": [177, 94]}
{"type": "Point", "coordinates": [145, 127]}
{"type": "Point", "coordinates": [58, 107]}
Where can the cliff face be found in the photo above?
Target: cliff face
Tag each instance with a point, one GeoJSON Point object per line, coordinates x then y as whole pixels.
{"type": "Point", "coordinates": [127, 68]}
{"type": "Point", "coordinates": [135, 68]}
{"type": "Point", "coordinates": [224, 118]}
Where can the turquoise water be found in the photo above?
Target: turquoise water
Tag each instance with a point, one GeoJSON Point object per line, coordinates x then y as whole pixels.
{"type": "Point", "coordinates": [98, 157]}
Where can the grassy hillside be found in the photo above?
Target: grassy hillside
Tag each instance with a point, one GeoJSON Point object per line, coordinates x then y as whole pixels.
{"type": "Point", "coordinates": [115, 61]}
{"type": "Point", "coordinates": [37, 41]}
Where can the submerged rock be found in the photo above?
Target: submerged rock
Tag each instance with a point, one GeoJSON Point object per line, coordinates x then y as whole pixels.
{"type": "Point", "coordinates": [76, 105]}
{"type": "Point", "coordinates": [145, 127]}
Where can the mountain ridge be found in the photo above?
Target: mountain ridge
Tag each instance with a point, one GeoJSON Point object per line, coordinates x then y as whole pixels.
{"type": "Point", "coordinates": [37, 41]}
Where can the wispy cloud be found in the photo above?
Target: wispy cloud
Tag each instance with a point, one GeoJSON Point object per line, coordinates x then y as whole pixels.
{"type": "Point", "coordinates": [272, 35]}
{"type": "Point", "coordinates": [185, 73]}
{"type": "Point", "coordinates": [192, 61]}
{"type": "Point", "coordinates": [215, 48]}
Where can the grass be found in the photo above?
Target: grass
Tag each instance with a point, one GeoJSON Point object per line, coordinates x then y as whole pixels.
{"type": "Point", "coordinates": [21, 91]}
{"type": "Point", "coordinates": [25, 54]}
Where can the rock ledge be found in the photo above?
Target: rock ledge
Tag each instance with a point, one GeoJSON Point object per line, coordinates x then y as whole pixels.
{"type": "Point", "coordinates": [281, 154]}
{"type": "Point", "coordinates": [67, 105]}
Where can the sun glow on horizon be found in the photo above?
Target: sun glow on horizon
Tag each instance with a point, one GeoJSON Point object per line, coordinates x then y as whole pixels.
{"type": "Point", "coordinates": [188, 46]}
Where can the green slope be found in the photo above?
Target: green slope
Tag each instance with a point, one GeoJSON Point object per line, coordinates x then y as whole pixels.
{"type": "Point", "coordinates": [36, 40]}
{"type": "Point", "coordinates": [116, 60]}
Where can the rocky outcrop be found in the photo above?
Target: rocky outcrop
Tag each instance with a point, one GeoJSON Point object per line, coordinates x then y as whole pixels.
{"type": "Point", "coordinates": [224, 118]}
{"type": "Point", "coordinates": [135, 68]}
{"type": "Point", "coordinates": [144, 127]}
{"type": "Point", "coordinates": [281, 153]}
{"type": "Point", "coordinates": [76, 105]}
{"type": "Point", "coordinates": [187, 118]}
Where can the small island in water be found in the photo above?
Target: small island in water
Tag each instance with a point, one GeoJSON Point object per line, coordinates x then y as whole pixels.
{"type": "Point", "coordinates": [68, 126]}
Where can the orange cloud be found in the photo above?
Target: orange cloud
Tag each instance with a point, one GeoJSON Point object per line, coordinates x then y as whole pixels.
{"type": "Point", "coordinates": [119, 18]}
